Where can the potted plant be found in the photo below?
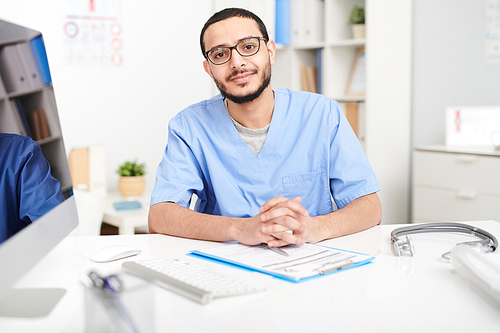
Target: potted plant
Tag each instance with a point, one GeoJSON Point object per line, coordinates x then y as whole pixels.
{"type": "Point", "coordinates": [357, 19]}
{"type": "Point", "coordinates": [131, 182]}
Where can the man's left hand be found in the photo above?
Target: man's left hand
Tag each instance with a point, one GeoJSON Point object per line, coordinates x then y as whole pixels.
{"type": "Point", "coordinates": [280, 215]}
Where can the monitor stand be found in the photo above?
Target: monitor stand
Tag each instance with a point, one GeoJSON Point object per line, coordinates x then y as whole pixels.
{"type": "Point", "coordinates": [30, 303]}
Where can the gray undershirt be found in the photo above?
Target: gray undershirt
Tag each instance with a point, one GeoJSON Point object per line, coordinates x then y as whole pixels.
{"type": "Point", "coordinates": [254, 138]}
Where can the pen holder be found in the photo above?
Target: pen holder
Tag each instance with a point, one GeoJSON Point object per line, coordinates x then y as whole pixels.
{"type": "Point", "coordinates": [129, 310]}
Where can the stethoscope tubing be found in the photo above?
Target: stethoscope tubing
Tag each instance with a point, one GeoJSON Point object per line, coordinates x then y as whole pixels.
{"type": "Point", "coordinates": [487, 238]}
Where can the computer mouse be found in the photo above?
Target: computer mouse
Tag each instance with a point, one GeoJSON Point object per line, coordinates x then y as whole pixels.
{"type": "Point", "coordinates": [113, 253]}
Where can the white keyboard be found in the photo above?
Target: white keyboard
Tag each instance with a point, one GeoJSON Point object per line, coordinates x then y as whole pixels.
{"type": "Point", "coordinates": [190, 279]}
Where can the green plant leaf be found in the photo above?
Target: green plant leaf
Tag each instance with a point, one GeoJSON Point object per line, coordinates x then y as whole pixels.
{"type": "Point", "coordinates": [131, 169]}
{"type": "Point", "coordinates": [357, 15]}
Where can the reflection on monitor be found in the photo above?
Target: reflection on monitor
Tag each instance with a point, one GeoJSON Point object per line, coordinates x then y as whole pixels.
{"type": "Point", "coordinates": [28, 109]}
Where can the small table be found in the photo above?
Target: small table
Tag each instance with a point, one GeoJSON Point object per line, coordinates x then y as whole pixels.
{"type": "Point", "coordinates": [125, 220]}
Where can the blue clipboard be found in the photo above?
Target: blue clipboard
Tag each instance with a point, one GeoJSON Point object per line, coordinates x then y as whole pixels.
{"type": "Point", "coordinates": [228, 262]}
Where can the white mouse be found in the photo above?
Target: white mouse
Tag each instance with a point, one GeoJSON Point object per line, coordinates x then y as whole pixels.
{"type": "Point", "coordinates": [112, 253]}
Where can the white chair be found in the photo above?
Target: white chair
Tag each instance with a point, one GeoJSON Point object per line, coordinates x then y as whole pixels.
{"type": "Point", "coordinates": [90, 212]}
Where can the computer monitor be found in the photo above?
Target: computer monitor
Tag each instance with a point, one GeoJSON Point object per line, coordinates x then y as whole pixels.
{"type": "Point", "coordinates": [18, 104]}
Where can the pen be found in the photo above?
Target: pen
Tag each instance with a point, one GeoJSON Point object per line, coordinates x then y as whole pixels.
{"type": "Point", "coordinates": [335, 267]}
{"type": "Point", "coordinates": [275, 249]}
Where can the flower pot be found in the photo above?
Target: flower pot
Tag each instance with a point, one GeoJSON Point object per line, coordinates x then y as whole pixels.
{"type": "Point", "coordinates": [131, 186]}
{"type": "Point", "coordinates": [358, 31]}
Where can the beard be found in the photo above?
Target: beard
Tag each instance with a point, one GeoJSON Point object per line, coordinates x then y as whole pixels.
{"type": "Point", "coordinates": [266, 79]}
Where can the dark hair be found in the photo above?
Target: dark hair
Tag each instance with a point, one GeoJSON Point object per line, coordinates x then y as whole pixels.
{"type": "Point", "coordinates": [228, 13]}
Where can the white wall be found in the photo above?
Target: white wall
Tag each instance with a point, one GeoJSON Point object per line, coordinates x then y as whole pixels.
{"type": "Point", "coordinates": [388, 103]}
{"type": "Point", "coordinates": [125, 108]}
{"type": "Point", "coordinates": [448, 65]}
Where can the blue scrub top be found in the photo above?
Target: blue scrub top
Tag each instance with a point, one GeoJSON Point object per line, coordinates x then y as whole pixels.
{"type": "Point", "coordinates": [310, 151]}
{"type": "Point", "coordinates": [27, 189]}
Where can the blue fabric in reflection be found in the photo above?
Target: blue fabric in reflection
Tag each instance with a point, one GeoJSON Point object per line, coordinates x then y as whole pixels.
{"type": "Point", "coordinates": [27, 188]}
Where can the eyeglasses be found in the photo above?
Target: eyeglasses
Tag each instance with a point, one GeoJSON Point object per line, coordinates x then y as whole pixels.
{"type": "Point", "coordinates": [246, 48]}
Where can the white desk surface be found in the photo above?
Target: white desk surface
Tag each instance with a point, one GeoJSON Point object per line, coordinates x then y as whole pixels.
{"type": "Point", "coordinates": [409, 294]}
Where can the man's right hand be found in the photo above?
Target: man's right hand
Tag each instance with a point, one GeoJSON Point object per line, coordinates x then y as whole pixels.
{"type": "Point", "coordinates": [249, 231]}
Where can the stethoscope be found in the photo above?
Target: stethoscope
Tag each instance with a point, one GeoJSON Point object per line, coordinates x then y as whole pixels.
{"type": "Point", "coordinates": [488, 242]}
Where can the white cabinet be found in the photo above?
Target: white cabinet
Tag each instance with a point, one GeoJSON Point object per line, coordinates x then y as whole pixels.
{"type": "Point", "coordinates": [455, 184]}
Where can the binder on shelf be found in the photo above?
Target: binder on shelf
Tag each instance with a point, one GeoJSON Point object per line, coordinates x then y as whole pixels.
{"type": "Point", "coordinates": [351, 113]}
{"type": "Point", "coordinates": [23, 118]}
{"type": "Point", "coordinates": [312, 21]}
{"type": "Point", "coordinates": [308, 76]}
{"type": "Point", "coordinates": [44, 124]}
{"type": "Point", "coordinates": [306, 21]}
{"type": "Point", "coordinates": [12, 70]}
{"type": "Point", "coordinates": [39, 125]}
{"type": "Point", "coordinates": [296, 22]}
{"type": "Point", "coordinates": [87, 167]}
{"type": "Point", "coordinates": [31, 68]}
{"type": "Point", "coordinates": [34, 119]}
{"type": "Point", "coordinates": [19, 69]}
{"type": "Point", "coordinates": [38, 49]}
{"type": "Point", "coordinates": [16, 124]}
{"type": "Point", "coordinates": [283, 22]}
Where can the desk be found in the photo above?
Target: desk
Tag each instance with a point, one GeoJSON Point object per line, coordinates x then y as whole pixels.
{"type": "Point", "coordinates": [125, 220]}
{"type": "Point", "coordinates": [418, 294]}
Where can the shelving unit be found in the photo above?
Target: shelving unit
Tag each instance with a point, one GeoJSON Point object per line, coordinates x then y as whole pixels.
{"type": "Point", "coordinates": [338, 51]}
{"type": "Point", "coordinates": [31, 98]}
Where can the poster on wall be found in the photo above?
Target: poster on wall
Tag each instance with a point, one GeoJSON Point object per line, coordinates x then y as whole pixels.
{"type": "Point", "coordinates": [472, 126]}
{"type": "Point", "coordinates": [492, 50]}
{"type": "Point", "coordinates": [92, 33]}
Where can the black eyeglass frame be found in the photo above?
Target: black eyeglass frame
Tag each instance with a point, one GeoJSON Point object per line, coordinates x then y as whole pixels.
{"type": "Point", "coordinates": [235, 47]}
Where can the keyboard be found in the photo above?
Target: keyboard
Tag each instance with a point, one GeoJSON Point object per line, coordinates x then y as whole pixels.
{"type": "Point", "coordinates": [190, 279]}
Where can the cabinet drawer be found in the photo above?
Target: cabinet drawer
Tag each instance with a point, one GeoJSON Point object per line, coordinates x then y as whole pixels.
{"type": "Point", "coordinates": [457, 171]}
{"type": "Point", "coordinates": [442, 205]}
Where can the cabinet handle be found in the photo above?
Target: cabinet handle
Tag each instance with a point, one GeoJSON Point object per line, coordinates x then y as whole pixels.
{"type": "Point", "coordinates": [466, 159]}
{"type": "Point", "coordinates": [467, 195]}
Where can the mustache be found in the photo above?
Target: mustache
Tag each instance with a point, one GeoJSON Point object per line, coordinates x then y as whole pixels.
{"type": "Point", "coordinates": [239, 72]}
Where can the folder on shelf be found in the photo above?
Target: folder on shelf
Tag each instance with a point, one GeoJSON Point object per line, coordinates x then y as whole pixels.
{"type": "Point", "coordinates": [283, 22]}
{"type": "Point", "coordinates": [38, 48]}
{"type": "Point", "coordinates": [303, 262]}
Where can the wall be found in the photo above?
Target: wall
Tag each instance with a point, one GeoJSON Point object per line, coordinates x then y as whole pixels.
{"type": "Point", "coordinates": [388, 103]}
{"type": "Point", "coordinates": [448, 64]}
{"type": "Point", "coordinates": [125, 108]}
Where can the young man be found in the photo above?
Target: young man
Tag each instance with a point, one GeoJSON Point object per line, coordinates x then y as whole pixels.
{"type": "Point", "coordinates": [264, 164]}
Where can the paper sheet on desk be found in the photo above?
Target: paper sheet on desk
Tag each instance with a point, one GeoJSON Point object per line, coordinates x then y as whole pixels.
{"type": "Point", "coordinates": [302, 263]}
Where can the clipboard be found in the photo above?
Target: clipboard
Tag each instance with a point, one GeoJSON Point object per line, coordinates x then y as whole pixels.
{"type": "Point", "coordinates": [305, 262]}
